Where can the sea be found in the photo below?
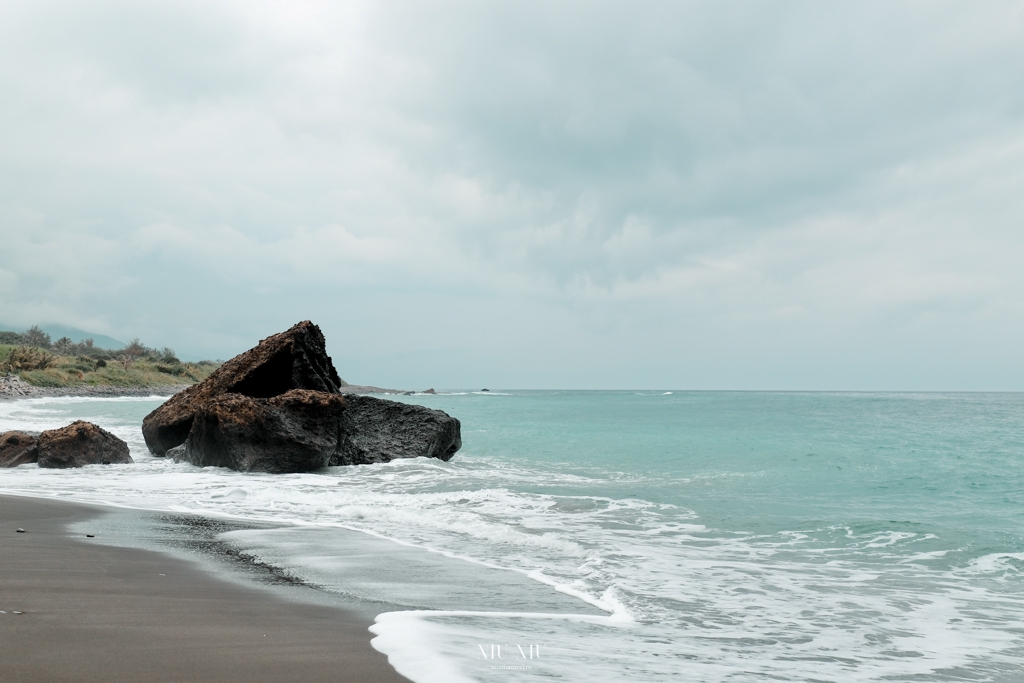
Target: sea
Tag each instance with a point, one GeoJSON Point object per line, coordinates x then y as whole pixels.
{"type": "Point", "coordinates": [637, 535]}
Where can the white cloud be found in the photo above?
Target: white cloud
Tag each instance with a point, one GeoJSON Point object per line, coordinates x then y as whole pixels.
{"type": "Point", "coordinates": [530, 188]}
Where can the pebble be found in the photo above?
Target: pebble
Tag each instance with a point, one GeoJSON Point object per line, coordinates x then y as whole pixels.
{"type": "Point", "coordinates": [90, 535]}
{"type": "Point", "coordinates": [16, 612]}
{"type": "Point", "coordinates": [21, 531]}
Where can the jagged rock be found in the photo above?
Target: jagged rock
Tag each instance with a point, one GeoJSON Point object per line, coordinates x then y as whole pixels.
{"type": "Point", "coordinates": [295, 359]}
{"type": "Point", "coordinates": [18, 448]}
{"type": "Point", "coordinates": [376, 430]}
{"type": "Point", "coordinates": [297, 431]}
{"type": "Point", "coordinates": [81, 443]}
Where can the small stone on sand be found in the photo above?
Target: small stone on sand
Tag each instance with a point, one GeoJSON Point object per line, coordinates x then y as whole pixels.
{"type": "Point", "coordinates": [21, 531]}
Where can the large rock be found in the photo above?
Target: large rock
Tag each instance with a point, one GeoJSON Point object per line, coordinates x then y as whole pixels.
{"type": "Point", "coordinates": [81, 443]}
{"type": "Point", "coordinates": [301, 431]}
{"type": "Point", "coordinates": [375, 430]}
{"type": "Point", "coordinates": [18, 448]}
{"type": "Point", "coordinates": [297, 431]}
{"type": "Point", "coordinates": [295, 359]}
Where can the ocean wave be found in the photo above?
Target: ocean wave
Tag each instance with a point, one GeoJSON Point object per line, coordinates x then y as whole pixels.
{"type": "Point", "coordinates": [683, 597]}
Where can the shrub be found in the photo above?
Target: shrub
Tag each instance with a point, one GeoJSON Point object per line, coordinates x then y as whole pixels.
{"type": "Point", "coordinates": [28, 358]}
{"type": "Point", "coordinates": [133, 352]}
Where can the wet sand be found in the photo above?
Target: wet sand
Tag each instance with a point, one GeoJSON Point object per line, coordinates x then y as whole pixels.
{"type": "Point", "coordinates": [96, 613]}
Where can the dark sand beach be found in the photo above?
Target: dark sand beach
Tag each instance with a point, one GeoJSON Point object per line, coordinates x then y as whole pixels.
{"type": "Point", "coordinates": [92, 612]}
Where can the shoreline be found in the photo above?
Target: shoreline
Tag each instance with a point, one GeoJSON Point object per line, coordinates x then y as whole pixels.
{"type": "Point", "coordinates": [21, 389]}
{"type": "Point", "coordinates": [96, 612]}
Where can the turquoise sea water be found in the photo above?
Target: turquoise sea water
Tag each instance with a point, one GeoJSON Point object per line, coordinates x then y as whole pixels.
{"type": "Point", "coordinates": [644, 536]}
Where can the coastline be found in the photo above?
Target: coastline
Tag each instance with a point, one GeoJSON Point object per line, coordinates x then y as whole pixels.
{"type": "Point", "coordinates": [94, 612]}
{"type": "Point", "coordinates": [21, 389]}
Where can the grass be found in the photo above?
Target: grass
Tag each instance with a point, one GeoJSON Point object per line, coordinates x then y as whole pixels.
{"type": "Point", "coordinates": [79, 372]}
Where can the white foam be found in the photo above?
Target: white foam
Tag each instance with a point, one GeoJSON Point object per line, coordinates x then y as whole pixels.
{"type": "Point", "coordinates": [681, 601]}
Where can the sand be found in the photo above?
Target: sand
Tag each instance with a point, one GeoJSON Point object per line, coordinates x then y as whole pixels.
{"type": "Point", "coordinates": [92, 612]}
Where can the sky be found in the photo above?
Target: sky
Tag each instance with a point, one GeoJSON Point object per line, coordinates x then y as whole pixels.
{"type": "Point", "coordinates": [593, 195]}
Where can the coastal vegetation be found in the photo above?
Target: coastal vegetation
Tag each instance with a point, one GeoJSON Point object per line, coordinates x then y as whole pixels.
{"type": "Point", "coordinates": [38, 360]}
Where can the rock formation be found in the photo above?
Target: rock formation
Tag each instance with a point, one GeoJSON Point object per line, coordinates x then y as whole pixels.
{"type": "Point", "coordinates": [277, 408]}
{"type": "Point", "coordinates": [295, 359]}
{"type": "Point", "coordinates": [375, 430]}
{"type": "Point", "coordinates": [297, 431]}
{"type": "Point", "coordinates": [78, 444]}
{"type": "Point", "coordinates": [18, 448]}
{"type": "Point", "coordinates": [303, 430]}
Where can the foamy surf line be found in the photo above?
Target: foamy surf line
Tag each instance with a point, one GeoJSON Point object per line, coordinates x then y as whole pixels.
{"type": "Point", "coordinates": [460, 554]}
{"type": "Point", "coordinates": [401, 635]}
{"type": "Point", "coordinates": [411, 640]}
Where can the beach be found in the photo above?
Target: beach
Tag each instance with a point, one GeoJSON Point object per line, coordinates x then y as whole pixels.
{"type": "Point", "coordinates": [75, 609]}
{"type": "Point", "coordinates": [638, 536]}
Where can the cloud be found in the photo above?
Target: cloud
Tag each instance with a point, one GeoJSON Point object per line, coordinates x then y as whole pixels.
{"type": "Point", "coordinates": [689, 194]}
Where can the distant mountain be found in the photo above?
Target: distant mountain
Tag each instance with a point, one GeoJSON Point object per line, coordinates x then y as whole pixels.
{"type": "Point", "coordinates": [74, 334]}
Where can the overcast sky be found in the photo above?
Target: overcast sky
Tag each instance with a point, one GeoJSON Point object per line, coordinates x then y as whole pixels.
{"type": "Point", "coordinates": [707, 195]}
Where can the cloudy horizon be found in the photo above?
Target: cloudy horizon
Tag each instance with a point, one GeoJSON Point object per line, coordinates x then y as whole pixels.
{"type": "Point", "coordinates": [692, 195]}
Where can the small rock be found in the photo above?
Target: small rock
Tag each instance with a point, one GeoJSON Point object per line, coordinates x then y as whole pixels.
{"type": "Point", "coordinates": [81, 443]}
{"type": "Point", "coordinates": [16, 612]}
{"type": "Point", "coordinates": [90, 535]}
{"type": "Point", "coordinates": [21, 531]}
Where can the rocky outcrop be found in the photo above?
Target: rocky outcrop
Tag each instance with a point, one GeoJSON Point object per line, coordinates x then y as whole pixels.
{"type": "Point", "coordinates": [277, 408]}
{"type": "Point", "coordinates": [79, 444]}
{"type": "Point", "coordinates": [295, 359]}
{"type": "Point", "coordinates": [301, 431]}
{"type": "Point", "coordinates": [298, 431]}
{"type": "Point", "coordinates": [18, 448]}
{"type": "Point", "coordinates": [376, 430]}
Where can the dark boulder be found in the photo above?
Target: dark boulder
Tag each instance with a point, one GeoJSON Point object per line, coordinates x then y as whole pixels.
{"type": "Point", "coordinates": [18, 448]}
{"type": "Point", "coordinates": [376, 430]}
{"type": "Point", "coordinates": [295, 359]}
{"type": "Point", "coordinates": [81, 443]}
{"type": "Point", "coordinates": [297, 431]}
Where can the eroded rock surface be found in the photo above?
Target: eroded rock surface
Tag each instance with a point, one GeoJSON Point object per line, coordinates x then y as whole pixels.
{"type": "Point", "coordinates": [18, 448]}
{"type": "Point", "coordinates": [376, 430]}
{"type": "Point", "coordinates": [295, 359]}
{"type": "Point", "coordinates": [81, 443]}
{"type": "Point", "coordinates": [298, 431]}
